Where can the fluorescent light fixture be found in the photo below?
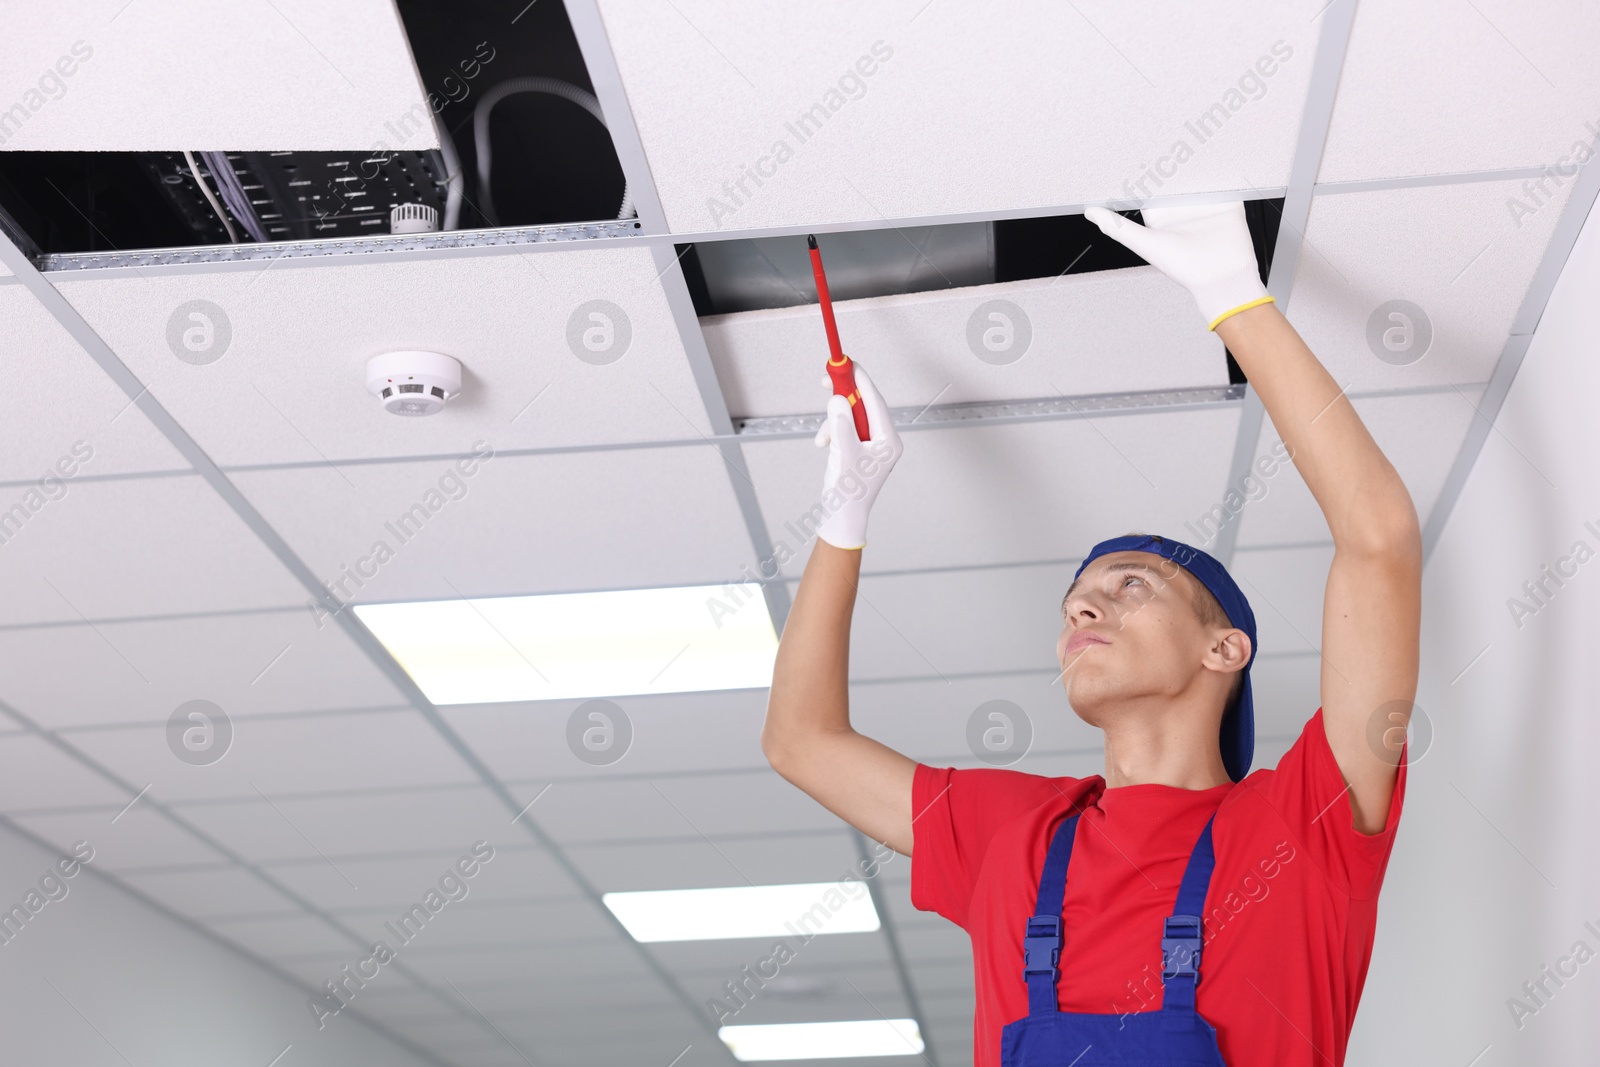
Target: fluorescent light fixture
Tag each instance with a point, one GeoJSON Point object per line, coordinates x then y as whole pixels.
{"type": "Point", "coordinates": [561, 645]}
{"type": "Point", "coordinates": [821, 1041]}
{"type": "Point", "coordinates": [800, 910]}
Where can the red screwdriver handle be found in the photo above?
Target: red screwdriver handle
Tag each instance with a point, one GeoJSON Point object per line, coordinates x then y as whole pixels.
{"type": "Point", "coordinates": [844, 384]}
{"type": "Point", "coordinates": [840, 369]}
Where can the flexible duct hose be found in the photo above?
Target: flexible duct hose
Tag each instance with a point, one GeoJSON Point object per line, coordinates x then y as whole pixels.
{"type": "Point", "coordinates": [480, 131]}
{"type": "Point", "coordinates": [455, 181]}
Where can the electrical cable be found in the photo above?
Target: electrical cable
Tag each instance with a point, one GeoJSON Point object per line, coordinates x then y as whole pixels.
{"type": "Point", "coordinates": [194, 169]}
{"type": "Point", "coordinates": [480, 131]}
{"type": "Point", "coordinates": [455, 181]}
{"type": "Point", "coordinates": [233, 193]}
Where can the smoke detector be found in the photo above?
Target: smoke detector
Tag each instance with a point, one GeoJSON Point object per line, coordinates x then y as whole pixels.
{"type": "Point", "coordinates": [413, 383]}
{"type": "Point", "coordinates": [413, 218]}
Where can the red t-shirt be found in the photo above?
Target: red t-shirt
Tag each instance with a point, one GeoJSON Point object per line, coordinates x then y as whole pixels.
{"type": "Point", "coordinates": [1290, 913]}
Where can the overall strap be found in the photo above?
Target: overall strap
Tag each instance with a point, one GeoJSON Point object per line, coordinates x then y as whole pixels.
{"type": "Point", "coordinates": [1041, 941]}
{"type": "Point", "coordinates": [1184, 930]}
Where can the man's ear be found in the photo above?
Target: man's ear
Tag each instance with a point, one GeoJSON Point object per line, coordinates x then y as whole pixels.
{"type": "Point", "coordinates": [1230, 651]}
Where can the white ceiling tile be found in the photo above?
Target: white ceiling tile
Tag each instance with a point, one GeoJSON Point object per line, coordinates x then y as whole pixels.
{"type": "Point", "coordinates": [1287, 691]}
{"type": "Point", "coordinates": [679, 807]}
{"type": "Point", "coordinates": [286, 755]}
{"type": "Point", "coordinates": [280, 935]}
{"type": "Point", "coordinates": [928, 719]}
{"type": "Point", "coordinates": [493, 965]}
{"type": "Point", "coordinates": [478, 923]}
{"type": "Point", "coordinates": [1438, 87]}
{"type": "Point", "coordinates": [453, 1037]}
{"type": "Point", "coordinates": [292, 75]}
{"type": "Point", "coordinates": [938, 941]}
{"type": "Point", "coordinates": [289, 827]}
{"type": "Point", "coordinates": [541, 993]}
{"type": "Point", "coordinates": [765, 859]}
{"type": "Point", "coordinates": [36, 775]}
{"type": "Point", "coordinates": [69, 403]}
{"type": "Point", "coordinates": [826, 953]}
{"type": "Point", "coordinates": [854, 998]}
{"type": "Point", "coordinates": [652, 1036]}
{"type": "Point", "coordinates": [402, 999]}
{"type": "Point", "coordinates": [900, 913]}
{"type": "Point", "coordinates": [1009, 620]}
{"type": "Point", "coordinates": [874, 978]}
{"type": "Point", "coordinates": [290, 386]}
{"type": "Point", "coordinates": [518, 870]}
{"type": "Point", "coordinates": [1420, 434]}
{"type": "Point", "coordinates": [673, 733]}
{"type": "Point", "coordinates": [487, 1053]}
{"type": "Point", "coordinates": [1102, 332]}
{"type": "Point", "coordinates": [955, 975]}
{"type": "Point", "coordinates": [948, 1006]}
{"type": "Point", "coordinates": [1454, 251]}
{"type": "Point", "coordinates": [1093, 96]}
{"type": "Point", "coordinates": [521, 869]}
{"type": "Point", "coordinates": [1270, 750]}
{"type": "Point", "coordinates": [211, 892]}
{"type": "Point", "coordinates": [317, 969]}
{"type": "Point", "coordinates": [1026, 491]}
{"type": "Point", "coordinates": [141, 836]}
{"type": "Point", "coordinates": [1285, 587]}
{"type": "Point", "coordinates": [521, 524]}
{"type": "Point", "coordinates": [142, 671]}
{"type": "Point", "coordinates": [132, 547]}
{"type": "Point", "coordinates": [952, 1040]}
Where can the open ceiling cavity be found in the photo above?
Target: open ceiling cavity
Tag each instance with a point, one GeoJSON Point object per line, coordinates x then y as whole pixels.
{"type": "Point", "coordinates": [522, 82]}
{"type": "Point", "coordinates": [752, 274]}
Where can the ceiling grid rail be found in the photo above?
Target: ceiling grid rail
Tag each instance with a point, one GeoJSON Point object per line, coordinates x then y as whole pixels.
{"type": "Point", "coordinates": [1569, 224]}
{"type": "Point", "coordinates": [567, 237]}
{"type": "Point", "coordinates": [590, 31]}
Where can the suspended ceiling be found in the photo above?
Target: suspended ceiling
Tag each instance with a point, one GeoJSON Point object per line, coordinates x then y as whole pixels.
{"type": "Point", "coordinates": [181, 559]}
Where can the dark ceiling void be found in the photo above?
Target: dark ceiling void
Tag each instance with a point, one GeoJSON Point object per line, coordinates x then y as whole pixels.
{"type": "Point", "coordinates": [552, 160]}
{"type": "Point", "coordinates": [772, 272]}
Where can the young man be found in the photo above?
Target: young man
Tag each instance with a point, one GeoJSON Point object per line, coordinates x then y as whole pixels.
{"type": "Point", "coordinates": [1177, 909]}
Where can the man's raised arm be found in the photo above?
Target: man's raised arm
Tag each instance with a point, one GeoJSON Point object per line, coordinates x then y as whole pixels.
{"type": "Point", "coordinates": [1372, 609]}
{"type": "Point", "coordinates": [807, 736]}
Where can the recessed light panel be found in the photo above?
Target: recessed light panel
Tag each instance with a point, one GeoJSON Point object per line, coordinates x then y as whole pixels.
{"type": "Point", "coordinates": [801, 910]}
{"type": "Point", "coordinates": [564, 645]}
{"type": "Point", "coordinates": [821, 1041]}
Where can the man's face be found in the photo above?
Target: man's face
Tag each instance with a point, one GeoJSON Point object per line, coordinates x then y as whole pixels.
{"type": "Point", "coordinates": [1128, 629]}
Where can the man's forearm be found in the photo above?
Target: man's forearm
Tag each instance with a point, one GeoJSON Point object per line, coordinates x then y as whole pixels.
{"type": "Point", "coordinates": [1362, 497]}
{"type": "Point", "coordinates": [810, 680]}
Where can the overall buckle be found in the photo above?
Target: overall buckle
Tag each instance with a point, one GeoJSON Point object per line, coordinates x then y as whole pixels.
{"type": "Point", "coordinates": [1180, 946]}
{"type": "Point", "coordinates": [1041, 946]}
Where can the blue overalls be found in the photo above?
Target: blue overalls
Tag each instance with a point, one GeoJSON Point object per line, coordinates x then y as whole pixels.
{"type": "Point", "coordinates": [1174, 1036]}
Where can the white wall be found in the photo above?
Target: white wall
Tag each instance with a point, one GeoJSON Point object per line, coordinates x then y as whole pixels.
{"type": "Point", "coordinates": [160, 993]}
{"type": "Point", "coordinates": [1497, 865]}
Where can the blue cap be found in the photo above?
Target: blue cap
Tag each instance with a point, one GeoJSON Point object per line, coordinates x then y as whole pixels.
{"type": "Point", "coordinates": [1238, 737]}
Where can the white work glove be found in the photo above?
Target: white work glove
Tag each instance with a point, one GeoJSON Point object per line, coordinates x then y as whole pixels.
{"type": "Point", "coordinates": [1205, 248]}
{"type": "Point", "coordinates": [856, 469]}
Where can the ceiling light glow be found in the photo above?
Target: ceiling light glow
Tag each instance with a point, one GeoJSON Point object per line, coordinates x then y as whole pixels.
{"type": "Point", "coordinates": [817, 1041]}
{"type": "Point", "coordinates": [564, 645]}
{"type": "Point", "coordinates": [797, 910]}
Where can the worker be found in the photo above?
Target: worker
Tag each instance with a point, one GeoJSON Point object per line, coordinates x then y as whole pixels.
{"type": "Point", "coordinates": [1176, 909]}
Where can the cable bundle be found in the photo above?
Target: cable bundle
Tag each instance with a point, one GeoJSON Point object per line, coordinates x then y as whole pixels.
{"type": "Point", "coordinates": [232, 192]}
